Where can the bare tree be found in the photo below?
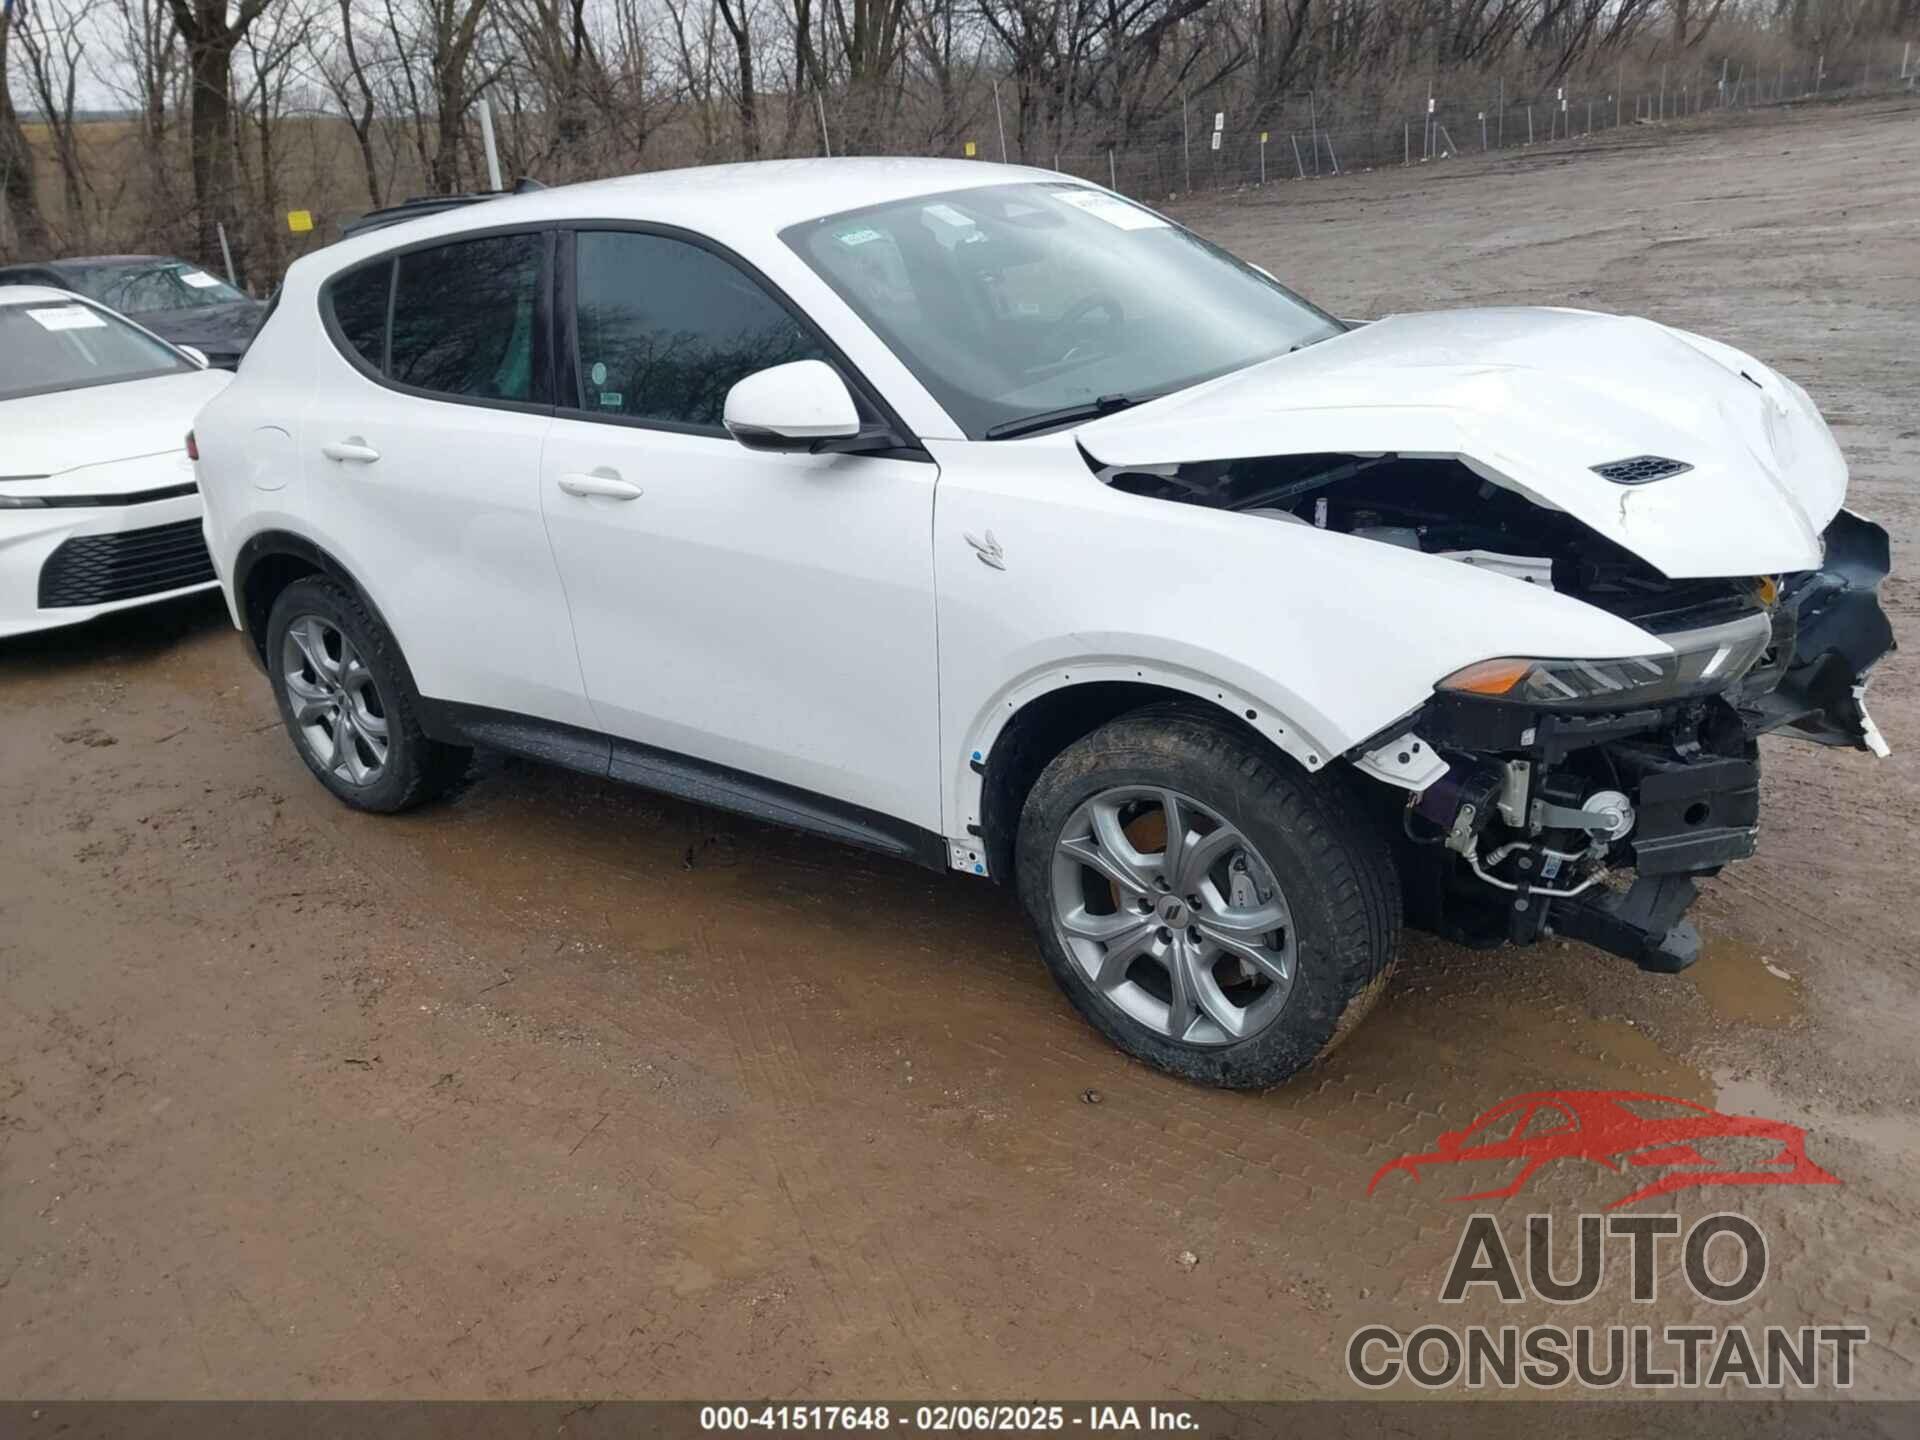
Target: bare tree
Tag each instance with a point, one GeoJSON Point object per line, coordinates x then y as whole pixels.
{"type": "Point", "coordinates": [342, 64]}
{"type": "Point", "coordinates": [452, 30]}
{"type": "Point", "coordinates": [51, 41]}
{"type": "Point", "coordinates": [211, 38]}
{"type": "Point", "coordinates": [17, 189]}
{"type": "Point", "coordinates": [273, 50]}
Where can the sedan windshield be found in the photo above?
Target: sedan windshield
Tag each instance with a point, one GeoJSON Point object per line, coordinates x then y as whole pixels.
{"type": "Point", "coordinates": [62, 345]}
{"type": "Point", "coordinates": [1023, 306]}
{"type": "Point", "coordinates": [144, 287]}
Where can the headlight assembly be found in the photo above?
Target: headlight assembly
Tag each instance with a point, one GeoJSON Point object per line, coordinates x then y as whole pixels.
{"type": "Point", "coordinates": [1704, 662]}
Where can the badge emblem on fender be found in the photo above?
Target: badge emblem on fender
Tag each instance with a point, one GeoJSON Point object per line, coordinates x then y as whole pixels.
{"type": "Point", "coordinates": [989, 551]}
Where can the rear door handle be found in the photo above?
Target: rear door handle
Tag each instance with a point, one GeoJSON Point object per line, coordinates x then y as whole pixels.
{"type": "Point", "coordinates": [354, 452]}
{"type": "Point", "coordinates": [608, 487]}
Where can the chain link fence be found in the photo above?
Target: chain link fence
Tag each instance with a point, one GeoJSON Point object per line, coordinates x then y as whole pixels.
{"type": "Point", "coordinates": [1313, 135]}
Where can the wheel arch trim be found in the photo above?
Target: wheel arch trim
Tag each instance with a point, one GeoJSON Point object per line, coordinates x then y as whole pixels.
{"type": "Point", "coordinates": [273, 544]}
{"type": "Point", "coordinates": [1268, 711]}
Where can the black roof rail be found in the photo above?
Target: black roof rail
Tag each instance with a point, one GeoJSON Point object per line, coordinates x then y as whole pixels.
{"type": "Point", "coordinates": [429, 205]}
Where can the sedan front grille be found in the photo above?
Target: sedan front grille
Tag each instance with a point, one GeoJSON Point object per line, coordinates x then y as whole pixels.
{"type": "Point", "coordinates": [99, 569]}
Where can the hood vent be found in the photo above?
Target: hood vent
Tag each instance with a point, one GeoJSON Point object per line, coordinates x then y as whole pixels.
{"type": "Point", "coordinates": [1641, 469]}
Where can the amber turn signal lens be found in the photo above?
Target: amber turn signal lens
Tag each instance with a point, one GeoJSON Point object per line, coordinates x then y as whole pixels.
{"type": "Point", "coordinates": [1487, 677]}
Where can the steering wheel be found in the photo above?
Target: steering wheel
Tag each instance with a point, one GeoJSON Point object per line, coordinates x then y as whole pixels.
{"type": "Point", "coordinates": [1069, 324]}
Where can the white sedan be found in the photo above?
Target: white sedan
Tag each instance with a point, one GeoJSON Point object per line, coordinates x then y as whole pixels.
{"type": "Point", "coordinates": [99, 508]}
{"type": "Point", "coordinates": [984, 517]}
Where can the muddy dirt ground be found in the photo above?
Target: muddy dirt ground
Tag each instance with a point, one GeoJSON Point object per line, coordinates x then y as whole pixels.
{"type": "Point", "coordinates": [561, 1089]}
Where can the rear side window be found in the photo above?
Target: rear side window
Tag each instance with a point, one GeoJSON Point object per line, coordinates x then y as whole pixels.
{"type": "Point", "coordinates": [359, 300]}
{"type": "Point", "coordinates": [464, 319]}
{"type": "Point", "coordinates": [666, 328]}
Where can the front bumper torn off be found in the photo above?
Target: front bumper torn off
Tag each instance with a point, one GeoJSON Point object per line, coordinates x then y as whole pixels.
{"type": "Point", "coordinates": [1500, 849]}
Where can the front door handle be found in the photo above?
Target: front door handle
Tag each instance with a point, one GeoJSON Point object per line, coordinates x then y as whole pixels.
{"type": "Point", "coordinates": [353, 451]}
{"type": "Point", "coordinates": [607, 487]}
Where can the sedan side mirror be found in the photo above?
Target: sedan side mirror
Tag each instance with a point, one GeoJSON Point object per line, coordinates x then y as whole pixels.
{"type": "Point", "coordinates": [803, 405]}
{"type": "Point", "coordinates": [198, 356]}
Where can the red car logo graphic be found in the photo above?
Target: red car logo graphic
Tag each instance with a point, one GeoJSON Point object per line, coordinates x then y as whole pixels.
{"type": "Point", "coordinates": [1620, 1129]}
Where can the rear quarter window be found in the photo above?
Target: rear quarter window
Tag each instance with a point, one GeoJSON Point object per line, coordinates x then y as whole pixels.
{"type": "Point", "coordinates": [358, 302]}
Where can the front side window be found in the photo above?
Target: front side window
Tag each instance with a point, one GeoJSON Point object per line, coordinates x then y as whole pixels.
{"type": "Point", "coordinates": [464, 319]}
{"type": "Point", "coordinates": [1009, 302]}
{"type": "Point", "coordinates": [64, 345]}
{"type": "Point", "coordinates": [666, 328]}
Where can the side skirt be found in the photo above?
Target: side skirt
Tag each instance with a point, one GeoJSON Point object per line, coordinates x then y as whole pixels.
{"type": "Point", "coordinates": [669, 773]}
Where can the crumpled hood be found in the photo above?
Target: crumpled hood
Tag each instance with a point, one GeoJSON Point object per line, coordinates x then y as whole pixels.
{"type": "Point", "coordinates": [1532, 399]}
{"type": "Point", "coordinates": [70, 430]}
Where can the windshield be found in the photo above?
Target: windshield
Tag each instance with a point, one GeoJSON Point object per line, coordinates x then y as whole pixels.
{"type": "Point", "coordinates": [1011, 302]}
{"type": "Point", "coordinates": [64, 346]}
{"type": "Point", "coordinates": [142, 287]}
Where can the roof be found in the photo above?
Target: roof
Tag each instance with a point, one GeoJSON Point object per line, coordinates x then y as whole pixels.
{"type": "Point", "coordinates": [762, 196]}
{"type": "Point", "coordinates": [31, 294]}
{"type": "Point", "coordinates": [71, 261]}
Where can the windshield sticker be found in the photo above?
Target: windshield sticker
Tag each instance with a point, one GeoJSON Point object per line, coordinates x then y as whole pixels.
{"type": "Point", "coordinates": [612, 399]}
{"type": "Point", "coordinates": [860, 237]}
{"type": "Point", "coordinates": [599, 372]}
{"type": "Point", "coordinates": [1112, 209]}
{"type": "Point", "coordinates": [68, 317]}
{"type": "Point", "coordinates": [947, 215]}
{"type": "Point", "coordinates": [199, 279]}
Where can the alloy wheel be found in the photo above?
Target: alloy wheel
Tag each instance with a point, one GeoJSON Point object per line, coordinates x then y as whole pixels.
{"type": "Point", "coordinates": [336, 705]}
{"type": "Point", "coordinates": [1171, 913]}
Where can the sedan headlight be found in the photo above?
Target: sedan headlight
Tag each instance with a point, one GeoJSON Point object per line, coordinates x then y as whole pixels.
{"type": "Point", "coordinates": [1704, 662]}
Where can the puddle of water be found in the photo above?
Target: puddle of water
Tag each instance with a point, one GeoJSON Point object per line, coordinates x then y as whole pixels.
{"type": "Point", "coordinates": [1745, 982]}
{"type": "Point", "coordinates": [1509, 1043]}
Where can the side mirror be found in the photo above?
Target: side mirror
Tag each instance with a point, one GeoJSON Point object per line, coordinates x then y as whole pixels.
{"type": "Point", "coordinates": [199, 357]}
{"type": "Point", "coordinates": [803, 405]}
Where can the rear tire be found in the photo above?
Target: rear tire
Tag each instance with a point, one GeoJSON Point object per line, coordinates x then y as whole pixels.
{"type": "Point", "coordinates": [346, 699]}
{"type": "Point", "coordinates": [1250, 951]}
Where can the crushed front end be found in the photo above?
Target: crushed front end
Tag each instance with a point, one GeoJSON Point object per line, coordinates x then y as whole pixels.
{"type": "Point", "coordinates": [1587, 799]}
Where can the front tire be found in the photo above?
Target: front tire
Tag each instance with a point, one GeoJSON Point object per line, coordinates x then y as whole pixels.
{"type": "Point", "coordinates": [340, 683]}
{"type": "Point", "coordinates": [1209, 908]}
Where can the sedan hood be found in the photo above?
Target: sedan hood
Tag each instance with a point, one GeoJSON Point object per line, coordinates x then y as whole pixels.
{"type": "Point", "coordinates": [1532, 400]}
{"type": "Point", "coordinates": [68, 430]}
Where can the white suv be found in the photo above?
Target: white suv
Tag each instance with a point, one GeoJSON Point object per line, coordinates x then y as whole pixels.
{"type": "Point", "coordinates": [980, 516]}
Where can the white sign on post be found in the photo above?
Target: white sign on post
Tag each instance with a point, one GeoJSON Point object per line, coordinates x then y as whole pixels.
{"type": "Point", "coordinates": [1219, 121]}
{"type": "Point", "coordinates": [1216, 139]}
{"type": "Point", "coordinates": [1429, 104]}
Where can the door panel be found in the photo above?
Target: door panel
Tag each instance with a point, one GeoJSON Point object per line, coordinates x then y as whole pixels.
{"type": "Point", "coordinates": [769, 612]}
{"type": "Point", "coordinates": [434, 503]}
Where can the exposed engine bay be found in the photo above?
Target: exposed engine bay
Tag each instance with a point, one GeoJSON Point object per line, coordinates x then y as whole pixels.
{"type": "Point", "coordinates": [1581, 798]}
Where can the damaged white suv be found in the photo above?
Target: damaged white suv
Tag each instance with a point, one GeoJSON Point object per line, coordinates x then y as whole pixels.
{"type": "Point", "coordinates": [980, 516]}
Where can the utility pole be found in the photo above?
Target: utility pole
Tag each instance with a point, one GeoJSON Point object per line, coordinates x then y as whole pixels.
{"type": "Point", "coordinates": [493, 151]}
{"type": "Point", "coordinates": [1186, 143]}
{"type": "Point", "coordinates": [1001, 121]}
